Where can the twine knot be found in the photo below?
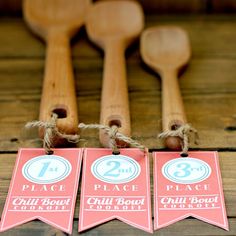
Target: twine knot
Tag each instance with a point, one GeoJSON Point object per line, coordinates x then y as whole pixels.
{"type": "Point", "coordinates": [184, 133]}
{"type": "Point", "coordinates": [112, 131]}
{"type": "Point", "coordinates": [113, 135]}
{"type": "Point", "coordinates": [49, 125]}
{"type": "Point", "coordinates": [51, 132]}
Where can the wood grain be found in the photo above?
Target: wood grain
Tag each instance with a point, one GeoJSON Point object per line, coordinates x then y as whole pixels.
{"type": "Point", "coordinates": [57, 22]}
{"type": "Point", "coordinates": [188, 227]}
{"type": "Point", "coordinates": [227, 6]}
{"type": "Point", "coordinates": [13, 7]}
{"type": "Point", "coordinates": [208, 87]}
{"type": "Point", "coordinates": [172, 6]}
{"type": "Point", "coordinates": [167, 50]}
{"type": "Point", "coordinates": [113, 26]}
{"type": "Point", "coordinates": [197, 26]}
{"type": "Point", "coordinates": [209, 101]}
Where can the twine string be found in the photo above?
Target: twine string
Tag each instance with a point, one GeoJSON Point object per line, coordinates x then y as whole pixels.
{"type": "Point", "coordinates": [184, 133]}
{"type": "Point", "coordinates": [51, 132]}
{"type": "Point", "coordinates": [113, 135]}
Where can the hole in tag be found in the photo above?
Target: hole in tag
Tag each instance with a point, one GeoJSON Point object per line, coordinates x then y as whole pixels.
{"type": "Point", "coordinates": [61, 112]}
{"type": "Point", "coordinates": [184, 154]}
{"type": "Point", "coordinates": [116, 153]}
{"type": "Point", "coordinates": [114, 123]}
{"type": "Point", "coordinates": [50, 152]}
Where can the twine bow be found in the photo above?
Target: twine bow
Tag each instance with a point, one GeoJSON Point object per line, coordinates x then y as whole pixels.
{"type": "Point", "coordinates": [113, 135]}
{"type": "Point", "coordinates": [183, 132]}
{"type": "Point", "coordinates": [51, 132]}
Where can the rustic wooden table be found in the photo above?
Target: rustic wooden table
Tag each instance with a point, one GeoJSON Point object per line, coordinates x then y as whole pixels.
{"type": "Point", "coordinates": [208, 87]}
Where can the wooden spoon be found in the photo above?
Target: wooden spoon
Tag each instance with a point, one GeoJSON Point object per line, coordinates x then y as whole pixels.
{"type": "Point", "coordinates": [56, 21]}
{"type": "Point", "coordinates": [166, 50]}
{"type": "Point", "coordinates": [113, 25]}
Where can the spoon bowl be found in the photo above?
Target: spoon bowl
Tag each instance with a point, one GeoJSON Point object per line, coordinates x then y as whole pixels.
{"type": "Point", "coordinates": [165, 48]}
{"type": "Point", "coordinates": [44, 16]}
{"type": "Point", "coordinates": [114, 20]}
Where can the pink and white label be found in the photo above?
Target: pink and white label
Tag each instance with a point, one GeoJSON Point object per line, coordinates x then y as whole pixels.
{"type": "Point", "coordinates": [115, 187]}
{"type": "Point", "coordinates": [43, 187]}
{"type": "Point", "coordinates": [189, 186]}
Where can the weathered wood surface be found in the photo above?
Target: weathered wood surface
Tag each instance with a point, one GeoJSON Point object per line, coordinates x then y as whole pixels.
{"type": "Point", "coordinates": [13, 7]}
{"type": "Point", "coordinates": [228, 6]}
{"type": "Point", "coordinates": [208, 86]}
{"type": "Point", "coordinates": [187, 227]}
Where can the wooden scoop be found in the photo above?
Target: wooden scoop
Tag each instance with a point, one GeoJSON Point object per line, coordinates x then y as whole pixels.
{"type": "Point", "coordinates": [113, 25]}
{"type": "Point", "coordinates": [56, 21]}
{"type": "Point", "coordinates": [166, 50]}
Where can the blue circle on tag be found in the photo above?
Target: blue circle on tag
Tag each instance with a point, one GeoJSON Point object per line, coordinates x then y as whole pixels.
{"type": "Point", "coordinates": [186, 170]}
{"type": "Point", "coordinates": [115, 169]}
{"type": "Point", "coordinates": [46, 169]}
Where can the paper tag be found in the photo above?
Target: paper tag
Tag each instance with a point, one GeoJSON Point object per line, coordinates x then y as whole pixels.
{"type": "Point", "coordinates": [189, 186]}
{"type": "Point", "coordinates": [43, 187]}
{"type": "Point", "coordinates": [115, 187]}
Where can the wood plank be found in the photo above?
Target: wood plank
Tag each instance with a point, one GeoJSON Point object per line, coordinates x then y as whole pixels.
{"type": "Point", "coordinates": [13, 7]}
{"type": "Point", "coordinates": [227, 160]}
{"type": "Point", "coordinates": [226, 6]}
{"type": "Point", "coordinates": [209, 101]}
{"type": "Point", "coordinates": [198, 26]}
{"type": "Point", "coordinates": [187, 227]}
{"type": "Point", "coordinates": [208, 88]}
{"type": "Point", "coordinates": [10, 7]}
{"type": "Point", "coordinates": [172, 6]}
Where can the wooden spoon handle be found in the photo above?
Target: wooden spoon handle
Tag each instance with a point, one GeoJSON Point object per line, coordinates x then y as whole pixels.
{"type": "Point", "coordinates": [115, 102]}
{"type": "Point", "coordinates": [172, 107]}
{"type": "Point", "coordinates": [58, 93]}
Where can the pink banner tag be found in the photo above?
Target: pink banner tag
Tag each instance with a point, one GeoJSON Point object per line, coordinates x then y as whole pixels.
{"type": "Point", "coordinates": [189, 186]}
{"type": "Point", "coordinates": [43, 187]}
{"type": "Point", "coordinates": [115, 187]}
